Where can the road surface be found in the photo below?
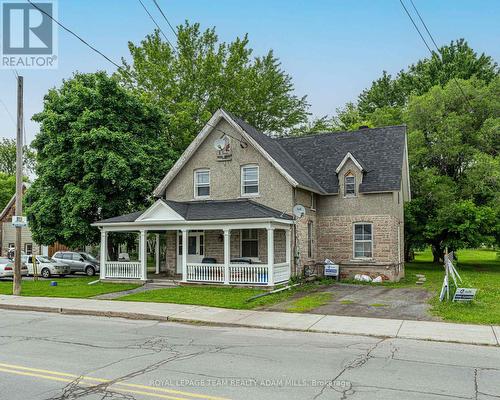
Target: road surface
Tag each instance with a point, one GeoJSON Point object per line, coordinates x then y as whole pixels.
{"type": "Point", "coordinates": [49, 356]}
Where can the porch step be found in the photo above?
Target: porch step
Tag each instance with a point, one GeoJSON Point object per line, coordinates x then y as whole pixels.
{"type": "Point", "coordinates": [163, 282]}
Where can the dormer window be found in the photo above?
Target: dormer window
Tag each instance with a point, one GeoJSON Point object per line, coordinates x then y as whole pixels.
{"type": "Point", "coordinates": [350, 185]}
{"type": "Point", "coordinates": [201, 183]}
{"type": "Point", "coordinates": [250, 180]}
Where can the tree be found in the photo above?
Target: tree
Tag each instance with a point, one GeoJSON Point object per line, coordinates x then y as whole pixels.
{"type": "Point", "coordinates": [203, 74]}
{"type": "Point", "coordinates": [8, 157]}
{"type": "Point", "coordinates": [7, 189]}
{"type": "Point", "coordinates": [455, 170]}
{"type": "Point", "coordinates": [100, 152]}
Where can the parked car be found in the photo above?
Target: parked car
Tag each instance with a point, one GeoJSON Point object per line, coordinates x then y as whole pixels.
{"type": "Point", "coordinates": [7, 268]}
{"type": "Point", "coordinates": [78, 261]}
{"type": "Point", "coordinates": [47, 267]}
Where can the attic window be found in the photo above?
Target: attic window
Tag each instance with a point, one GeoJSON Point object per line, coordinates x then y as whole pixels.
{"type": "Point", "coordinates": [202, 183]}
{"type": "Point", "coordinates": [349, 185]}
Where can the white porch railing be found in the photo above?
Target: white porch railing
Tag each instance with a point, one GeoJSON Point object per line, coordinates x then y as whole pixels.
{"type": "Point", "coordinates": [281, 272]}
{"type": "Point", "coordinates": [252, 274]}
{"type": "Point", "coordinates": [205, 272]}
{"type": "Point", "coordinates": [120, 269]}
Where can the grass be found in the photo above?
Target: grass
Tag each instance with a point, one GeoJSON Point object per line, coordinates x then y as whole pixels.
{"type": "Point", "coordinates": [346, 301]}
{"type": "Point", "coordinates": [310, 302]}
{"type": "Point", "coordinates": [216, 296]}
{"type": "Point", "coordinates": [378, 305]}
{"type": "Point", "coordinates": [478, 268]}
{"type": "Point", "coordinates": [66, 287]}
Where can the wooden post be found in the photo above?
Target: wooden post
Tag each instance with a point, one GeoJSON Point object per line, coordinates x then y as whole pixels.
{"type": "Point", "coordinates": [447, 273]}
{"type": "Point", "coordinates": [104, 252]}
{"type": "Point", "coordinates": [184, 254]}
{"type": "Point", "coordinates": [16, 289]}
{"type": "Point", "coordinates": [157, 253]}
{"type": "Point", "coordinates": [143, 251]}
{"type": "Point", "coordinates": [270, 256]}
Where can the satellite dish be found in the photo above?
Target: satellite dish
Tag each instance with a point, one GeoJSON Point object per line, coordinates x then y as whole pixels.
{"type": "Point", "coordinates": [299, 210]}
{"type": "Point", "coordinates": [220, 144]}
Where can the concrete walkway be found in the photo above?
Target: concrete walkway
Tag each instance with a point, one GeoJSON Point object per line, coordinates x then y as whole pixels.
{"type": "Point", "coordinates": [393, 328]}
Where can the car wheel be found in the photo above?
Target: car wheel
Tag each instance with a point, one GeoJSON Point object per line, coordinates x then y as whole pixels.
{"type": "Point", "coordinates": [45, 273]}
{"type": "Point", "coordinates": [90, 271]}
{"type": "Point", "coordinates": [62, 275]}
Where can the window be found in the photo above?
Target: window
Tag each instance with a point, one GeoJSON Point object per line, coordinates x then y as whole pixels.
{"type": "Point", "coordinates": [309, 239]}
{"type": "Point", "coordinates": [350, 185]}
{"type": "Point", "coordinates": [249, 180]}
{"type": "Point", "coordinates": [363, 240]}
{"type": "Point", "coordinates": [28, 248]}
{"type": "Point", "coordinates": [250, 243]}
{"type": "Point", "coordinates": [313, 201]}
{"type": "Point", "coordinates": [11, 246]}
{"type": "Point", "coordinates": [202, 183]}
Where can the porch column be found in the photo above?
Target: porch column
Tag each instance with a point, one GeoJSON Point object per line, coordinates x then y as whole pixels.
{"type": "Point", "coordinates": [270, 256]}
{"type": "Point", "coordinates": [143, 251]}
{"type": "Point", "coordinates": [104, 251]}
{"type": "Point", "coordinates": [157, 253]}
{"type": "Point", "coordinates": [184, 254]}
{"type": "Point", "coordinates": [288, 247]}
{"type": "Point", "coordinates": [227, 254]}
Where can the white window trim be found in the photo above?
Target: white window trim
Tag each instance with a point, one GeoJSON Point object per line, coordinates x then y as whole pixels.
{"type": "Point", "coordinates": [254, 259]}
{"type": "Point", "coordinates": [347, 175]}
{"type": "Point", "coordinates": [310, 239]}
{"type": "Point", "coordinates": [354, 240]}
{"type": "Point", "coordinates": [242, 183]}
{"type": "Point", "coordinates": [195, 184]}
{"type": "Point", "coordinates": [313, 201]}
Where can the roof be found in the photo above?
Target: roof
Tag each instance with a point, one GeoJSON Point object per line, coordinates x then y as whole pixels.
{"type": "Point", "coordinates": [311, 161]}
{"type": "Point", "coordinates": [11, 202]}
{"type": "Point", "coordinates": [379, 150]}
{"type": "Point", "coordinates": [211, 210]}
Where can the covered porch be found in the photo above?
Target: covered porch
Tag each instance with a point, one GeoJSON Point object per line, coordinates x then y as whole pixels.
{"type": "Point", "coordinates": [231, 251]}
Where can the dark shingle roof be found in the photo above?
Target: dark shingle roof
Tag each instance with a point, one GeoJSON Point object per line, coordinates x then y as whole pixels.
{"type": "Point", "coordinates": [379, 150]}
{"type": "Point", "coordinates": [224, 209]}
{"type": "Point", "coordinates": [279, 154]}
{"type": "Point", "coordinates": [211, 210]}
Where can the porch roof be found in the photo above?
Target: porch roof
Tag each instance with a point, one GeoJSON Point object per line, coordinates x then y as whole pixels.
{"type": "Point", "coordinates": [206, 210]}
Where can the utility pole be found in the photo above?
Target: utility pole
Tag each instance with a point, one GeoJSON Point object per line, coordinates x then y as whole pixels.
{"type": "Point", "coordinates": [16, 290]}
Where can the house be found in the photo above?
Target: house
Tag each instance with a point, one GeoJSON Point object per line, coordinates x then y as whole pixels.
{"type": "Point", "coordinates": [8, 233]}
{"type": "Point", "coordinates": [225, 209]}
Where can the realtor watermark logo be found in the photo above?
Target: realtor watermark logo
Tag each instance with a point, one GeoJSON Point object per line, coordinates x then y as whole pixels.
{"type": "Point", "coordinates": [29, 35]}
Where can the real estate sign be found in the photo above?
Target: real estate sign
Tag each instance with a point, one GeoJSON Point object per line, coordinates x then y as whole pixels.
{"type": "Point", "coordinates": [464, 294]}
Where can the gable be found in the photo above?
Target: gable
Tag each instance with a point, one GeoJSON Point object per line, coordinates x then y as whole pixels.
{"type": "Point", "coordinates": [160, 211]}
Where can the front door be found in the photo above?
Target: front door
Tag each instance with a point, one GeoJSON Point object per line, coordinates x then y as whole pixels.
{"type": "Point", "coordinates": [195, 248]}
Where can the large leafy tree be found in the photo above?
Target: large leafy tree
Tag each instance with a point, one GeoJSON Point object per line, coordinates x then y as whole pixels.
{"type": "Point", "coordinates": [204, 74]}
{"type": "Point", "coordinates": [100, 152]}
{"type": "Point", "coordinates": [8, 157]}
{"type": "Point", "coordinates": [455, 171]}
{"type": "Point", "coordinates": [7, 188]}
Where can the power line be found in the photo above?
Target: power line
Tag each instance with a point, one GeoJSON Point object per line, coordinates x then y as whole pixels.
{"type": "Point", "coordinates": [165, 17]}
{"type": "Point", "coordinates": [439, 53]}
{"type": "Point", "coordinates": [415, 25]}
{"type": "Point", "coordinates": [75, 35]}
{"type": "Point", "coordinates": [8, 112]}
{"type": "Point", "coordinates": [158, 26]}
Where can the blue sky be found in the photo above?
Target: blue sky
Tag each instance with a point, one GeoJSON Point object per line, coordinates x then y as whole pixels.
{"type": "Point", "coordinates": [332, 48]}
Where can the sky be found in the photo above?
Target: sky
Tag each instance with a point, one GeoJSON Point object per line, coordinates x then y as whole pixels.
{"type": "Point", "coordinates": [333, 49]}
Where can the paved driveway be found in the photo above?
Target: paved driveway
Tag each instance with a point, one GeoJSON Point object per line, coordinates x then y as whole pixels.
{"type": "Point", "coordinates": [370, 301]}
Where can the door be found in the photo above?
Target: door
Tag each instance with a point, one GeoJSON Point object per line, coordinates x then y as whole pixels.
{"type": "Point", "coordinates": [195, 249]}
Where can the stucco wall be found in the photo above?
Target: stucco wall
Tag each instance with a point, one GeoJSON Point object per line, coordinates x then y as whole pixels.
{"type": "Point", "coordinates": [225, 177]}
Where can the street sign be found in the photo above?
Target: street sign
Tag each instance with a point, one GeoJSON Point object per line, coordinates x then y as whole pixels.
{"type": "Point", "coordinates": [19, 221]}
{"type": "Point", "coordinates": [331, 270]}
{"type": "Point", "coordinates": [464, 294]}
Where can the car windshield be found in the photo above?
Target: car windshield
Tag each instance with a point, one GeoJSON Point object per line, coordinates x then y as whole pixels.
{"type": "Point", "coordinates": [87, 256]}
{"type": "Point", "coordinates": [43, 259]}
{"type": "Point", "coordinates": [4, 260]}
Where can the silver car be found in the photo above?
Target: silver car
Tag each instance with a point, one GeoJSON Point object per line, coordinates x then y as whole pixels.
{"type": "Point", "coordinates": [47, 267]}
{"type": "Point", "coordinates": [78, 261]}
{"type": "Point", "coordinates": [7, 268]}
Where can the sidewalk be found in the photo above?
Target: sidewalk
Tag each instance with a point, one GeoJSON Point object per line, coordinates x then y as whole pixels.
{"type": "Point", "coordinates": [423, 330]}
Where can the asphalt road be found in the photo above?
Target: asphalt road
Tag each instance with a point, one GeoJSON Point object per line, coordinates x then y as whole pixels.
{"type": "Point", "coordinates": [48, 356]}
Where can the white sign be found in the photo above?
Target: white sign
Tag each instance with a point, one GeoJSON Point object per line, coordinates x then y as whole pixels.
{"type": "Point", "coordinates": [331, 270]}
{"type": "Point", "coordinates": [19, 221]}
{"type": "Point", "coordinates": [464, 294]}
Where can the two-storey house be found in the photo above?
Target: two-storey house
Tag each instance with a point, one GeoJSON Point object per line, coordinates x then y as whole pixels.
{"type": "Point", "coordinates": [225, 209]}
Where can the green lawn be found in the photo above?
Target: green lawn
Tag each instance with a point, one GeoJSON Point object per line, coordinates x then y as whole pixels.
{"type": "Point", "coordinates": [478, 268]}
{"type": "Point", "coordinates": [310, 302]}
{"type": "Point", "coordinates": [66, 287]}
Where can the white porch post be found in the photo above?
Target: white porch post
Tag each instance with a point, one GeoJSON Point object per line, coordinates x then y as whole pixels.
{"type": "Point", "coordinates": [143, 251]}
{"type": "Point", "coordinates": [104, 251]}
{"type": "Point", "coordinates": [227, 254]}
{"type": "Point", "coordinates": [184, 254]}
{"type": "Point", "coordinates": [270, 256]}
{"type": "Point", "coordinates": [157, 253]}
{"type": "Point", "coordinates": [288, 247]}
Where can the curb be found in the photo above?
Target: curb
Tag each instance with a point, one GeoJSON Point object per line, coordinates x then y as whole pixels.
{"type": "Point", "coordinates": [191, 321]}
